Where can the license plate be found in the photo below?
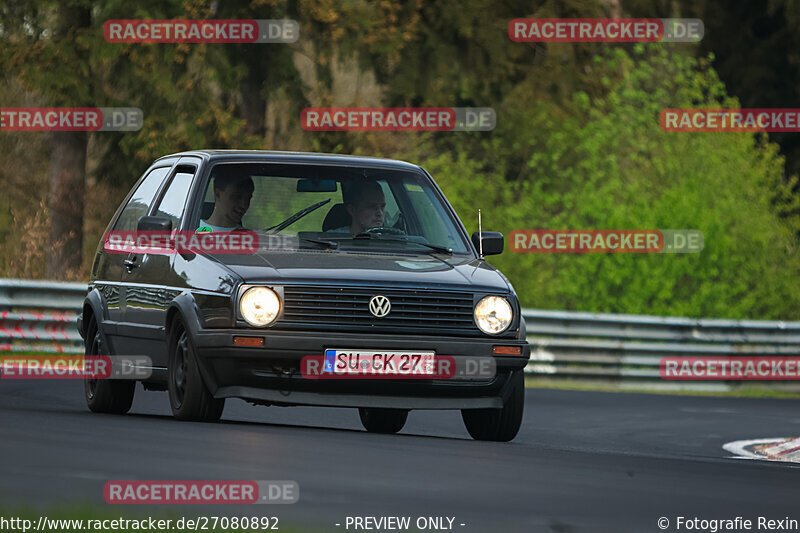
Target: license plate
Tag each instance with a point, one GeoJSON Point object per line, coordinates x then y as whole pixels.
{"type": "Point", "coordinates": [379, 362]}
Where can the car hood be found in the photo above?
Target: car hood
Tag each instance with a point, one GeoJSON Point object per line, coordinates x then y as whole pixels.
{"type": "Point", "coordinates": [346, 268]}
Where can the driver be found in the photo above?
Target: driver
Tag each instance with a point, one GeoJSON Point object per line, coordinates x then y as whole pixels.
{"type": "Point", "coordinates": [232, 195]}
{"type": "Point", "coordinates": [366, 206]}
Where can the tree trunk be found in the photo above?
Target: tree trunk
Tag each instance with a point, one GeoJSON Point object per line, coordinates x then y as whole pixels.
{"type": "Point", "coordinates": [65, 203]}
{"type": "Point", "coordinates": [254, 107]}
{"type": "Point", "coordinates": [67, 180]}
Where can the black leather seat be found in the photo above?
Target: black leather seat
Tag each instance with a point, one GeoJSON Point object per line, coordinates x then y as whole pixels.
{"type": "Point", "coordinates": [337, 217]}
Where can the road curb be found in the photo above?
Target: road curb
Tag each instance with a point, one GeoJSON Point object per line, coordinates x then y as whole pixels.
{"type": "Point", "coordinates": [785, 449]}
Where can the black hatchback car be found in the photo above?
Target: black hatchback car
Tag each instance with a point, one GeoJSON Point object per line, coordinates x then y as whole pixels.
{"type": "Point", "coordinates": [352, 260]}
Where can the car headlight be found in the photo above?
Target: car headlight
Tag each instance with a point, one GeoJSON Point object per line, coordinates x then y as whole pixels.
{"type": "Point", "coordinates": [260, 306]}
{"type": "Point", "coordinates": [493, 314]}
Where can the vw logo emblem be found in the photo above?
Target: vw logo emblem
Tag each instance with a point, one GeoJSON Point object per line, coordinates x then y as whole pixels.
{"type": "Point", "coordinates": [379, 306]}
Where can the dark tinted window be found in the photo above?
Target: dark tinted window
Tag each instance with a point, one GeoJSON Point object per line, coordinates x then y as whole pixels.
{"type": "Point", "coordinates": [141, 200]}
{"type": "Point", "coordinates": [174, 199]}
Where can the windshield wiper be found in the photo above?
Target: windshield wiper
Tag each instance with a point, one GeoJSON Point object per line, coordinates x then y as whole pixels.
{"type": "Point", "coordinates": [331, 245]}
{"type": "Point", "coordinates": [297, 216]}
{"type": "Point", "coordinates": [434, 247]}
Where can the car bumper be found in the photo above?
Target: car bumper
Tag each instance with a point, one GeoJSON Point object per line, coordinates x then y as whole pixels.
{"type": "Point", "coordinates": [272, 374]}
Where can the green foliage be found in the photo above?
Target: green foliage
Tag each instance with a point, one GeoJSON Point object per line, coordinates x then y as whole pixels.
{"type": "Point", "coordinates": [606, 164]}
{"type": "Point", "coordinates": [577, 143]}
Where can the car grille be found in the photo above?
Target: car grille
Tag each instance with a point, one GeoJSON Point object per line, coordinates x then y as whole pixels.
{"type": "Point", "coordinates": [425, 312]}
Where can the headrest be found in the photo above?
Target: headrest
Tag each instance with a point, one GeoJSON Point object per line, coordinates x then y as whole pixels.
{"type": "Point", "coordinates": [337, 217]}
{"type": "Point", "coordinates": [208, 208]}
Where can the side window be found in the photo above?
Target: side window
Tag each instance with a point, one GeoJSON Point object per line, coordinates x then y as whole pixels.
{"type": "Point", "coordinates": [174, 199]}
{"type": "Point", "coordinates": [392, 212]}
{"type": "Point", "coordinates": [432, 216]}
{"type": "Point", "coordinates": [141, 200]}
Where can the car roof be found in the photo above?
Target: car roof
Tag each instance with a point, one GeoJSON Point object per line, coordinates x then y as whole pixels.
{"type": "Point", "coordinates": [296, 157]}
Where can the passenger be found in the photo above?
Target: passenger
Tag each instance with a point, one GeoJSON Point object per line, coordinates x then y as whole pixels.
{"type": "Point", "coordinates": [232, 195]}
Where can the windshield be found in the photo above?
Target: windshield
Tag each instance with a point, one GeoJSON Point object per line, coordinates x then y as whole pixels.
{"type": "Point", "coordinates": [340, 208]}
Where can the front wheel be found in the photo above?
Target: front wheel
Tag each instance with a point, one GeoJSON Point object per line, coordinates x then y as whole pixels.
{"type": "Point", "coordinates": [377, 420]}
{"type": "Point", "coordinates": [105, 395]}
{"type": "Point", "coordinates": [500, 425]}
{"type": "Point", "coordinates": [188, 395]}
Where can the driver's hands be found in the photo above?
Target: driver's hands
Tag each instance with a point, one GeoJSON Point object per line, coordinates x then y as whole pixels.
{"type": "Point", "coordinates": [379, 230]}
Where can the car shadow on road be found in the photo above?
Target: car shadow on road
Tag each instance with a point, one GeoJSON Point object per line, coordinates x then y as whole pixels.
{"type": "Point", "coordinates": [263, 425]}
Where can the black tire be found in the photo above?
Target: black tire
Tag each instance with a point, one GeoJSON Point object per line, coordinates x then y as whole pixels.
{"type": "Point", "coordinates": [105, 395]}
{"type": "Point", "coordinates": [188, 395]}
{"type": "Point", "coordinates": [376, 420]}
{"type": "Point", "coordinates": [500, 425]}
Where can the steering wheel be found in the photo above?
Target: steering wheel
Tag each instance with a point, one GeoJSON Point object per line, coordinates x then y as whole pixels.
{"type": "Point", "coordinates": [380, 230]}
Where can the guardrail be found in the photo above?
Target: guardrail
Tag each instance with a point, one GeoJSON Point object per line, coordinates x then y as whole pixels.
{"type": "Point", "coordinates": [629, 348]}
{"type": "Point", "coordinates": [39, 316]}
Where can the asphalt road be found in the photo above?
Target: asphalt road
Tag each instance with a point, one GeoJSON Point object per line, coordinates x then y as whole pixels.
{"type": "Point", "coordinates": [584, 461]}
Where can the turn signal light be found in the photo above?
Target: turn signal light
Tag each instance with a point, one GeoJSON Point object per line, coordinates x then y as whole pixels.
{"type": "Point", "coordinates": [507, 350]}
{"type": "Point", "coordinates": [248, 341]}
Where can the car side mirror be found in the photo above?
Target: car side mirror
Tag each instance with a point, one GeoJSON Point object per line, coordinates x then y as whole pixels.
{"type": "Point", "coordinates": [493, 242]}
{"type": "Point", "coordinates": [154, 224]}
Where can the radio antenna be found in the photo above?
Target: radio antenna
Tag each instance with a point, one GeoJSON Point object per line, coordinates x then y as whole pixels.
{"type": "Point", "coordinates": [480, 235]}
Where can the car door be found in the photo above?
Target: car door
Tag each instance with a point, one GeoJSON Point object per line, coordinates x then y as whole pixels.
{"type": "Point", "coordinates": [109, 264]}
{"type": "Point", "coordinates": [148, 277]}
